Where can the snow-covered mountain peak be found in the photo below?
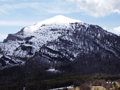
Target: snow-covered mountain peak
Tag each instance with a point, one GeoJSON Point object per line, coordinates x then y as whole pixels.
{"type": "Point", "coordinates": [59, 19]}
{"type": "Point", "coordinates": [59, 40]}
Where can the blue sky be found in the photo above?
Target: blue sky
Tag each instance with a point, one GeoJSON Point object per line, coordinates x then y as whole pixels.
{"type": "Point", "coordinates": [16, 14]}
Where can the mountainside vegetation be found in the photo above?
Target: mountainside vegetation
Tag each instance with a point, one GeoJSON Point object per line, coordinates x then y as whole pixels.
{"type": "Point", "coordinates": [16, 78]}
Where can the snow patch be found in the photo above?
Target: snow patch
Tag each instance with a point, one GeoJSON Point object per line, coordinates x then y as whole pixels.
{"type": "Point", "coordinates": [61, 88]}
{"type": "Point", "coordinates": [1, 55]}
{"type": "Point", "coordinates": [52, 70]}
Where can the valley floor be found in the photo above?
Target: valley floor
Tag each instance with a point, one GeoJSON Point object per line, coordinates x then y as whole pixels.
{"type": "Point", "coordinates": [16, 78]}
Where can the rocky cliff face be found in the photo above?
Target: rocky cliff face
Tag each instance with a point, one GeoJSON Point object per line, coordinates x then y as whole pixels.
{"type": "Point", "coordinates": [56, 43]}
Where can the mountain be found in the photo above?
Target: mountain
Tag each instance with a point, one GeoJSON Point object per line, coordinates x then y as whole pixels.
{"type": "Point", "coordinates": [61, 44]}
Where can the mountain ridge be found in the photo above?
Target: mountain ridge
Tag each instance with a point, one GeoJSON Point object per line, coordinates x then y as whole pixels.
{"type": "Point", "coordinates": [58, 45]}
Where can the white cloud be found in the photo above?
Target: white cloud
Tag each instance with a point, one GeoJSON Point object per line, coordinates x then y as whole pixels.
{"type": "Point", "coordinates": [2, 36]}
{"type": "Point", "coordinates": [116, 30]}
{"type": "Point", "coordinates": [61, 7]}
{"type": "Point", "coordinates": [4, 0]}
{"type": "Point", "coordinates": [98, 8]}
{"type": "Point", "coordinates": [61, 10]}
{"type": "Point", "coordinates": [19, 6]}
{"type": "Point", "coordinates": [16, 23]}
{"type": "Point", "coordinates": [56, 7]}
{"type": "Point", "coordinates": [7, 8]}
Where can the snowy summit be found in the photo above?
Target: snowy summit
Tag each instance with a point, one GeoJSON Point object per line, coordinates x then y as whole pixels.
{"type": "Point", "coordinates": [59, 19]}
{"type": "Point", "coordinates": [61, 41]}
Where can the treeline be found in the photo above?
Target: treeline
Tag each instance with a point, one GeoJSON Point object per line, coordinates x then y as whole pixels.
{"type": "Point", "coordinates": [16, 79]}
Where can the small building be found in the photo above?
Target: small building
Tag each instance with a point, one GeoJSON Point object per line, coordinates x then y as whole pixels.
{"type": "Point", "coordinates": [98, 88]}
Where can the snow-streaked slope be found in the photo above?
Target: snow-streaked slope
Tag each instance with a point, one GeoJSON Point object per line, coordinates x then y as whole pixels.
{"type": "Point", "coordinates": [30, 39]}
{"type": "Point", "coordinates": [58, 39]}
{"type": "Point", "coordinates": [47, 30]}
